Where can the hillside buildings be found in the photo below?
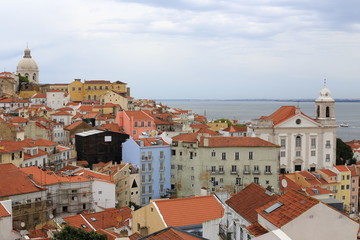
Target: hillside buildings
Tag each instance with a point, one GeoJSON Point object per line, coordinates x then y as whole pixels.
{"type": "Point", "coordinates": [305, 143]}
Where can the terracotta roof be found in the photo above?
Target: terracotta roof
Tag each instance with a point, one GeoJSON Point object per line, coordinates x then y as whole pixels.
{"type": "Point", "coordinates": [40, 153]}
{"type": "Point", "coordinates": [45, 178]}
{"type": "Point", "coordinates": [189, 211]}
{"type": "Point", "coordinates": [256, 229]}
{"type": "Point", "coordinates": [55, 90]}
{"type": "Point", "coordinates": [61, 113]}
{"type": "Point", "coordinates": [172, 233]}
{"type": "Point", "coordinates": [353, 171]}
{"type": "Point", "coordinates": [328, 172]}
{"type": "Point", "coordinates": [41, 142]}
{"type": "Point", "coordinates": [73, 125]}
{"type": "Point", "coordinates": [3, 211]}
{"type": "Point", "coordinates": [199, 126]}
{"type": "Point", "coordinates": [94, 175]}
{"type": "Point", "coordinates": [233, 129]}
{"type": "Point", "coordinates": [7, 146]}
{"type": "Point", "coordinates": [290, 184]}
{"type": "Point", "coordinates": [40, 95]}
{"type": "Point", "coordinates": [111, 235]}
{"type": "Point", "coordinates": [65, 109]}
{"type": "Point", "coordinates": [186, 137]}
{"type": "Point", "coordinates": [114, 127]}
{"type": "Point", "coordinates": [310, 178]}
{"type": "Point", "coordinates": [342, 168]}
{"type": "Point", "coordinates": [100, 220]}
{"type": "Point", "coordinates": [138, 115]}
{"type": "Point", "coordinates": [148, 142]}
{"type": "Point", "coordinates": [208, 131]}
{"type": "Point", "coordinates": [292, 204]}
{"type": "Point", "coordinates": [312, 191]}
{"type": "Point", "coordinates": [13, 100]}
{"type": "Point", "coordinates": [90, 115]}
{"type": "Point", "coordinates": [85, 108]}
{"type": "Point", "coordinates": [283, 114]}
{"type": "Point", "coordinates": [235, 142]}
{"type": "Point", "coordinates": [18, 120]}
{"type": "Point", "coordinates": [97, 82]}
{"type": "Point", "coordinates": [14, 177]}
{"type": "Point", "coordinates": [135, 236]}
{"type": "Point", "coordinates": [248, 200]}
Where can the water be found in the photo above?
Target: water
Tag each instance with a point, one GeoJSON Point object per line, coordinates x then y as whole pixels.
{"type": "Point", "coordinates": [245, 111]}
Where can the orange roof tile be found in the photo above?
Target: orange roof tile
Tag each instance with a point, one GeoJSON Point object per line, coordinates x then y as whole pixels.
{"type": "Point", "coordinates": [248, 200]}
{"type": "Point", "coordinates": [328, 172]}
{"type": "Point", "coordinates": [186, 137]}
{"type": "Point", "coordinates": [256, 229]}
{"type": "Point", "coordinates": [40, 153]}
{"type": "Point", "coordinates": [8, 146]}
{"type": "Point", "coordinates": [114, 127]}
{"type": "Point", "coordinates": [73, 125]}
{"type": "Point", "coordinates": [97, 82]}
{"type": "Point", "coordinates": [208, 131]}
{"type": "Point", "coordinates": [100, 220]}
{"type": "Point", "coordinates": [283, 114]}
{"type": "Point", "coordinates": [94, 175]}
{"type": "Point", "coordinates": [353, 171]}
{"type": "Point", "coordinates": [61, 113]}
{"type": "Point", "coordinates": [18, 120]}
{"type": "Point", "coordinates": [189, 211]}
{"type": "Point", "coordinates": [40, 95]}
{"type": "Point", "coordinates": [235, 142]}
{"type": "Point", "coordinates": [199, 126]}
{"type": "Point", "coordinates": [317, 191]}
{"type": "Point", "coordinates": [44, 178]}
{"type": "Point", "coordinates": [293, 205]}
{"type": "Point", "coordinates": [342, 168]}
{"type": "Point", "coordinates": [172, 233]}
{"type": "Point", "coordinates": [138, 115]}
{"type": "Point", "coordinates": [85, 108]}
{"type": "Point", "coordinates": [14, 177]}
{"type": "Point", "coordinates": [152, 142]}
{"type": "Point", "coordinates": [233, 129]}
{"type": "Point", "coordinates": [90, 115]}
{"type": "Point", "coordinates": [3, 211]}
{"type": "Point", "coordinates": [41, 142]}
{"type": "Point", "coordinates": [135, 236]}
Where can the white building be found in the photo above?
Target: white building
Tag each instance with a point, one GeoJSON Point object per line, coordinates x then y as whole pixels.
{"type": "Point", "coordinates": [62, 117]}
{"type": "Point", "coordinates": [6, 224]}
{"type": "Point", "coordinates": [306, 143]}
{"type": "Point", "coordinates": [56, 99]}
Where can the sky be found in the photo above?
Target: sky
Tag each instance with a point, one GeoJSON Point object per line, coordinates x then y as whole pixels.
{"type": "Point", "coordinates": [190, 49]}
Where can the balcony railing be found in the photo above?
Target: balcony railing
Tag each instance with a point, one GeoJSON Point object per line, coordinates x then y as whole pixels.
{"type": "Point", "coordinates": [246, 172]}
{"type": "Point", "coordinates": [256, 172]}
{"type": "Point", "coordinates": [268, 173]}
{"type": "Point", "coordinates": [213, 172]}
{"type": "Point", "coordinates": [234, 172]}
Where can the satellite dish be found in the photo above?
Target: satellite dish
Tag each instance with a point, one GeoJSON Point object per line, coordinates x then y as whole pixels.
{"type": "Point", "coordinates": [51, 216]}
{"type": "Point", "coordinates": [119, 219]}
{"type": "Point", "coordinates": [284, 183]}
{"type": "Point", "coordinates": [22, 224]}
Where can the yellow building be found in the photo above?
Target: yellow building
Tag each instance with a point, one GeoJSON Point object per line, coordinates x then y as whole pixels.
{"type": "Point", "coordinates": [93, 89]}
{"type": "Point", "coordinates": [11, 152]}
{"type": "Point", "coordinates": [217, 126]}
{"type": "Point", "coordinates": [344, 177]}
{"type": "Point", "coordinates": [64, 87]}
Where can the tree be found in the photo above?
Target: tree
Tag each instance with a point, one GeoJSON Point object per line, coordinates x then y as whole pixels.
{"type": "Point", "coordinates": [344, 153]}
{"type": "Point", "coordinates": [71, 233]}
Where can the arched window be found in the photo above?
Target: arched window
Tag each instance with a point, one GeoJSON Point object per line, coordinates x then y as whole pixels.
{"type": "Point", "coordinates": [89, 97]}
{"type": "Point", "coordinates": [27, 75]}
{"type": "Point", "coordinates": [94, 97]}
{"type": "Point", "coordinates": [318, 111]}
{"type": "Point", "coordinates": [34, 76]}
{"type": "Point", "coordinates": [298, 141]}
{"type": "Point", "coordinates": [327, 112]}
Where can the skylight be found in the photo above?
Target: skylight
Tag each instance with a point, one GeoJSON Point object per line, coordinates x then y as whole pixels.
{"type": "Point", "coordinates": [273, 207]}
{"type": "Point", "coordinates": [92, 218]}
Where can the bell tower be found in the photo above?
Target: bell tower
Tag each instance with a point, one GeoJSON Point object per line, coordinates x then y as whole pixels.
{"type": "Point", "coordinates": [325, 107]}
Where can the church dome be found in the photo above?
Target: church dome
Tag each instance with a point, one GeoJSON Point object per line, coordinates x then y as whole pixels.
{"type": "Point", "coordinates": [325, 95]}
{"type": "Point", "coordinates": [27, 67]}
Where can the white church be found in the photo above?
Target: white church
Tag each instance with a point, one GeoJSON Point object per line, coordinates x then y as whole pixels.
{"type": "Point", "coordinates": [305, 143]}
{"type": "Point", "coordinates": [28, 68]}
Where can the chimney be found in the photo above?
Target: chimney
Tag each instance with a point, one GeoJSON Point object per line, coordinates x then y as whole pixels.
{"type": "Point", "coordinates": [204, 191]}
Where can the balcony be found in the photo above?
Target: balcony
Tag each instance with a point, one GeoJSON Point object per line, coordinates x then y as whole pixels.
{"type": "Point", "coordinates": [221, 172]}
{"type": "Point", "coordinates": [213, 172]}
{"type": "Point", "coordinates": [234, 172]}
{"type": "Point", "coordinates": [246, 172]}
{"type": "Point", "coordinates": [267, 173]}
{"type": "Point", "coordinates": [168, 190]}
{"type": "Point", "coordinates": [256, 172]}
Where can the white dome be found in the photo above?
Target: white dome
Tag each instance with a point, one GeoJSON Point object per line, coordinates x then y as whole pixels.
{"type": "Point", "coordinates": [325, 95]}
{"type": "Point", "coordinates": [27, 64]}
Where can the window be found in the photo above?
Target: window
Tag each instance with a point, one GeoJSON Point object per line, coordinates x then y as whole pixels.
{"type": "Point", "coordinates": [347, 177]}
{"type": "Point", "coordinates": [246, 168]}
{"type": "Point", "coordinates": [237, 155]}
{"type": "Point", "coordinates": [328, 145]}
{"type": "Point", "coordinates": [298, 153]}
{"type": "Point", "coordinates": [221, 169]}
{"type": "Point", "coordinates": [12, 156]}
{"type": "Point", "coordinates": [233, 169]}
{"type": "Point", "coordinates": [256, 168]}
{"type": "Point", "coordinates": [213, 169]}
{"type": "Point", "coordinates": [150, 189]}
{"type": "Point", "coordinates": [282, 154]}
{"type": "Point", "coordinates": [73, 88]}
{"type": "Point", "coordinates": [173, 152]}
{"type": "Point", "coordinates": [100, 87]}
{"type": "Point", "coordinates": [251, 155]}
{"type": "Point", "coordinates": [343, 197]}
{"type": "Point", "coordinates": [298, 141]}
{"type": "Point", "coordinates": [192, 178]}
{"type": "Point", "coordinates": [149, 167]}
{"type": "Point", "coordinates": [342, 187]}
{"type": "Point", "coordinates": [256, 180]}
{"type": "Point", "coordinates": [162, 156]}
{"type": "Point", "coordinates": [149, 123]}
{"type": "Point", "coordinates": [89, 88]}
{"type": "Point", "coordinates": [79, 88]}
{"type": "Point", "coordinates": [143, 190]}
{"type": "Point", "coordinates": [267, 169]}
{"type": "Point", "coordinates": [213, 154]}
{"type": "Point", "coordinates": [172, 166]}
{"type": "Point", "coordinates": [283, 143]}
{"type": "Point", "coordinates": [161, 188]}
{"type": "Point", "coordinates": [221, 180]}
{"type": "Point", "coordinates": [143, 178]}
{"type": "Point", "coordinates": [347, 186]}
{"type": "Point", "coordinates": [191, 155]}
{"type": "Point", "coordinates": [149, 178]}
{"type": "Point", "coordinates": [238, 181]}
{"type": "Point", "coordinates": [313, 142]}
{"type": "Point", "coordinates": [327, 158]}
{"type": "Point", "coordinates": [134, 132]}
{"type": "Point", "coordinates": [135, 124]}
{"type": "Point", "coordinates": [162, 168]}
{"type": "Point", "coordinates": [180, 167]}
{"type": "Point", "coordinates": [313, 153]}
{"type": "Point", "coordinates": [223, 156]}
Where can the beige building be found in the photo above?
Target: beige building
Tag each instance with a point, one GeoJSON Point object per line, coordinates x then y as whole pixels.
{"type": "Point", "coordinates": [8, 83]}
{"type": "Point", "coordinates": [306, 143]}
{"type": "Point", "coordinates": [221, 164]}
{"type": "Point", "coordinates": [116, 97]}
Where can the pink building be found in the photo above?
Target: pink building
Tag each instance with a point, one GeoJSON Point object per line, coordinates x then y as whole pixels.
{"type": "Point", "coordinates": [354, 185]}
{"type": "Point", "coordinates": [136, 123]}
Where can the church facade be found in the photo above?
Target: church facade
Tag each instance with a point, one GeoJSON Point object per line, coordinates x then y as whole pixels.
{"type": "Point", "coordinates": [305, 143]}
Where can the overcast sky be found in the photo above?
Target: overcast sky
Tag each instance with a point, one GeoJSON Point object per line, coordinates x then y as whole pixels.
{"type": "Point", "coordinates": [218, 49]}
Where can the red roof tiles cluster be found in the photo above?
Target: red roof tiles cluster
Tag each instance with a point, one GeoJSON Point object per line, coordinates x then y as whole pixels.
{"type": "Point", "coordinates": [235, 142]}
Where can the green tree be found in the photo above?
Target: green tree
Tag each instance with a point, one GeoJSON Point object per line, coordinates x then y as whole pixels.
{"type": "Point", "coordinates": [71, 233]}
{"type": "Point", "coordinates": [22, 79]}
{"type": "Point", "coordinates": [344, 153]}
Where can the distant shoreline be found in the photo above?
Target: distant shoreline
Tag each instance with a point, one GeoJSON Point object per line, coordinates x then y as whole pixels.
{"type": "Point", "coordinates": [257, 100]}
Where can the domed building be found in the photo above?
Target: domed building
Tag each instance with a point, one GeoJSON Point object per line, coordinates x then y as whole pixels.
{"type": "Point", "coordinates": [28, 68]}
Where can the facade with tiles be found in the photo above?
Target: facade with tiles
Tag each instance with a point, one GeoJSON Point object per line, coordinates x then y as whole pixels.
{"type": "Point", "coordinates": [221, 164]}
{"type": "Point", "coordinates": [306, 143]}
{"type": "Point", "coordinates": [152, 157]}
